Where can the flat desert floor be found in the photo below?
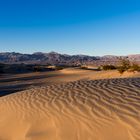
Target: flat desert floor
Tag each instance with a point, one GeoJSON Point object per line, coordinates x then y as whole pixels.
{"type": "Point", "coordinates": [70, 104]}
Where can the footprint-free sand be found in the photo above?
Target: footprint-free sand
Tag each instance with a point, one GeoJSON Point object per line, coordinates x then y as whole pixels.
{"type": "Point", "coordinates": [79, 109]}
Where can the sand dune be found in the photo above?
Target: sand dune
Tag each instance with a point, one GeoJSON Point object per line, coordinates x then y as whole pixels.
{"type": "Point", "coordinates": [91, 74]}
{"type": "Point", "coordinates": [79, 110]}
{"type": "Point", "coordinates": [18, 82]}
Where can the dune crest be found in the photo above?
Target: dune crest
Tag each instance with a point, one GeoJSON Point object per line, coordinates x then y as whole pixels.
{"type": "Point", "coordinates": [81, 110]}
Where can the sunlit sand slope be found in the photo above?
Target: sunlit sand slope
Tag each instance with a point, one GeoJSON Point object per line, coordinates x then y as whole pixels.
{"type": "Point", "coordinates": [81, 110]}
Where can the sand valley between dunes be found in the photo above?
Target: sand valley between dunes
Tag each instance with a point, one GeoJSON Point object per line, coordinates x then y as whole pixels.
{"type": "Point", "coordinates": [79, 105]}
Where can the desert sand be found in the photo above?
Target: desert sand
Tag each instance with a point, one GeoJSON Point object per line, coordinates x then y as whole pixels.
{"type": "Point", "coordinates": [11, 83]}
{"type": "Point", "coordinates": [75, 105]}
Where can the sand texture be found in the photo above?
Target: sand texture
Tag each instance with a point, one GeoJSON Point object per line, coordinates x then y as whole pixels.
{"type": "Point", "coordinates": [107, 109]}
{"type": "Point", "coordinates": [18, 82]}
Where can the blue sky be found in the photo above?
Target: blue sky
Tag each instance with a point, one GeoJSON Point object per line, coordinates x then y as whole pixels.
{"type": "Point", "coordinates": [93, 27]}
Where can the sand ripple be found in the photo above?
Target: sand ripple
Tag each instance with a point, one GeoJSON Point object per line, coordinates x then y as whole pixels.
{"type": "Point", "coordinates": [81, 110]}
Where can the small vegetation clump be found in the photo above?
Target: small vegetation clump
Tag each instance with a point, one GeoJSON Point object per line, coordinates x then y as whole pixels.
{"type": "Point", "coordinates": [127, 66]}
{"type": "Point", "coordinates": [121, 70]}
{"type": "Point", "coordinates": [37, 68]}
{"type": "Point", "coordinates": [83, 67]}
{"type": "Point", "coordinates": [59, 67]}
{"type": "Point", "coordinates": [123, 66]}
{"type": "Point", "coordinates": [135, 67]}
{"type": "Point", "coordinates": [108, 67]}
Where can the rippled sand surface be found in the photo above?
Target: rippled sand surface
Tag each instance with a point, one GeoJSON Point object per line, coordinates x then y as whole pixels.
{"type": "Point", "coordinates": [107, 109]}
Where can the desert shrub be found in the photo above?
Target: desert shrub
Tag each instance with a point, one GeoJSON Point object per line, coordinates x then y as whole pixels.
{"type": "Point", "coordinates": [125, 65]}
{"type": "Point", "coordinates": [59, 67]}
{"type": "Point", "coordinates": [121, 69]}
{"type": "Point", "coordinates": [83, 67]}
{"type": "Point", "coordinates": [37, 69]}
{"type": "Point", "coordinates": [135, 67]}
{"type": "Point", "coordinates": [108, 67]}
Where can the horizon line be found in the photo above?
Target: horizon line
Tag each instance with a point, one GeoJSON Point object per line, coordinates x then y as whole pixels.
{"type": "Point", "coordinates": [68, 54]}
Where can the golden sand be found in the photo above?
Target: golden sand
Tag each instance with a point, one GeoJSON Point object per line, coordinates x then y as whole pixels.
{"type": "Point", "coordinates": [85, 109]}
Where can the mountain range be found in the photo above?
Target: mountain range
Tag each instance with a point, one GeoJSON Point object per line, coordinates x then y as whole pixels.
{"type": "Point", "coordinates": [54, 58]}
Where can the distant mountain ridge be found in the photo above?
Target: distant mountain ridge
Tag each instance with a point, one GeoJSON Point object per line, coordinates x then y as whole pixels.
{"type": "Point", "coordinates": [55, 58]}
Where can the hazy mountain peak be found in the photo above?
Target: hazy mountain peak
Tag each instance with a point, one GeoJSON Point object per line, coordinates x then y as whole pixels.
{"type": "Point", "coordinates": [56, 58]}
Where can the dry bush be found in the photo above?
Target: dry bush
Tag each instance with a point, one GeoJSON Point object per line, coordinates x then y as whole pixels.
{"type": "Point", "coordinates": [108, 67]}
{"type": "Point", "coordinates": [135, 67]}
{"type": "Point", "coordinates": [127, 66]}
